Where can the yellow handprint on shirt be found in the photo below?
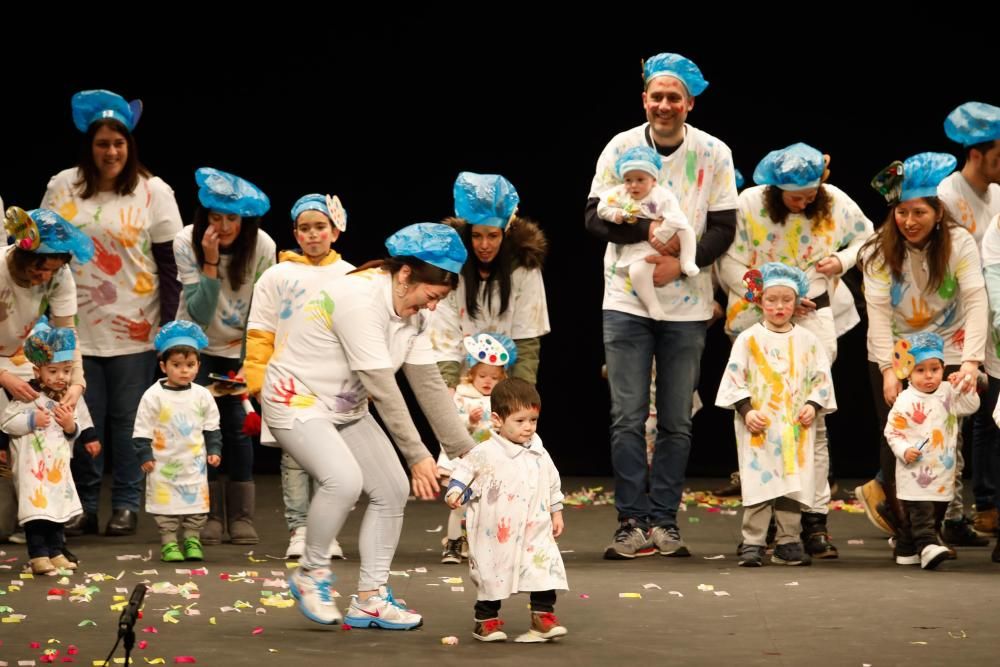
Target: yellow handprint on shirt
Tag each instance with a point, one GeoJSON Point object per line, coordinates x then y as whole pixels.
{"type": "Point", "coordinates": [131, 226]}
{"type": "Point", "coordinates": [921, 316]}
{"type": "Point", "coordinates": [54, 474]}
{"type": "Point", "coordinates": [39, 500]}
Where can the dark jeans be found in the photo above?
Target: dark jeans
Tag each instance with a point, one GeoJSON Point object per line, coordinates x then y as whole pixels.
{"type": "Point", "coordinates": [237, 448]}
{"type": "Point", "coordinates": [918, 526]}
{"type": "Point", "coordinates": [986, 450]}
{"type": "Point", "coordinates": [114, 387]}
{"type": "Point", "coordinates": [631, 343]}
{"type": "Point", "coordinates": [540, 601]}
{"type": "Point", "coordinates": [45, 538]}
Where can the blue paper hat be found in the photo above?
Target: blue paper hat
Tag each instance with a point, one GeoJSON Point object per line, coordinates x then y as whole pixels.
{"type": "Point", "coordinates": [739, 180]}
{"type": "Point", "coordinates": [325, 204]}
{"type": "Point", "coordinates": [93, 105]}
{"type": "Point", "coordinates": [492, 349]}
{"type": "Point", "coordinates": [639, 158]}
{"type": "Point", "coordinates": [923, 172]}
{"type": "Point", "coordinates": [973, 123]}
{"type": "Point", "coordinates": [226, 193]}
{"type": "Point", "coordinates": [776, 273]}
{"type": "Point", "coordinates": [485, 199]}
{"type": "Point", "coordinates": [677, 66]}
{"type": "Point", "coordinates": [46, 232]}
{"type": "Point", "coordinates": [435, 243]}
{"type": "Point", "coordinates": [46, 345]}
{"type": "Point", "coordinates": [925, 345]}
{"type": "Point", "coordinates": [180, 332]}
{"type": "Point", "coordinates": [796, 167]}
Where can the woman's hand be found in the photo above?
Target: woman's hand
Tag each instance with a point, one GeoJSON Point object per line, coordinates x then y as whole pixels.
{"type": "Point", "coordinates": [210, 245]}
{"type": "Point", "coordinates": [17, 387]}
{"type": "Point", "coordinates": [71, 396]}
{"type": "Point", "coordinates": [968, 373]}
{"type": "Point", "coordinates": [424, 479]}
{"type": "Point", "coordinates": [804, 307]}
{"type": "Point", "coordinates": [830, 266]}
{"type": "Point", "coordinates": [891, 386]}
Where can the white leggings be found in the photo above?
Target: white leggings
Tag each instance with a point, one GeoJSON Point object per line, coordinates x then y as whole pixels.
{"type": "Point", "coordinates": [346, 459]}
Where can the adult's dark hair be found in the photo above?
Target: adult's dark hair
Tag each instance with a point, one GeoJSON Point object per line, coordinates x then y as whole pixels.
{"type": "Point", "coordinates": [242, 249]}
{"type": "Point", "coordinates": [21, 260]}
{"type": "Point", "coordinates": [90, 175]}
{"type": "Point", "coordinates": [818, 210]}
{"type": "Point", "coordinates": [887, 247]}
{"type": "Point", "coordinates": [421, 271]}
{"type": "Point", "coordinates": [498, 272]}
{"type": "Point", "coordinates": [513, 394]}
{"type": "Point", "coordinates": [982, 147]}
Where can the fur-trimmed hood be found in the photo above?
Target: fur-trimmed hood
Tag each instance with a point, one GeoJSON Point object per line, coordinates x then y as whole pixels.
{"type": "Point", "coordinates": [528, 240]}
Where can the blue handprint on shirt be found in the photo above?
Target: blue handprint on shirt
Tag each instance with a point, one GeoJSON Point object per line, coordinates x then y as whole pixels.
{"type": "Point", "coordinates": [234, 314]}
{"type": "Point", "coordinates": [289, 293]}
{"type": "Point", "coordinates": [184, 425]}
{"type": "Point", "coordinates": [189, 492]}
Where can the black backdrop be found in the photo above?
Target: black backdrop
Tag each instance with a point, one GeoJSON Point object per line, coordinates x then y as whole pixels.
{"type": "Point", "coordinates": [386, 117]}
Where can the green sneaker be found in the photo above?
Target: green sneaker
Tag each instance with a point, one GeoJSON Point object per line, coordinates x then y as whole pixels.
{"type": "Point", "coordinates": [171, 553]}
{"type": "Point", "coordinates": [192, 549]}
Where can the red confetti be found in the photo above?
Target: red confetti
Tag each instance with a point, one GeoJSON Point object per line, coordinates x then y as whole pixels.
{"type": "Point", "coordinates": [140, 613]}
{"type": "Point", "coordinates": [184, 658]}
{"type": "Point", "coordinates": [143, 644]}
{"type": "Point", "coordinates": [35, 645]}
{"type": "Point", "coordinates": [258, 631]}
{"type": "Point", "coordinates": [224, 576]}
{"type": "Point", "coordinates": [72, 650]}
{"type": "Point", "coordinates": [48, 658]}
{"type": "Point", "coordinates": [584, 596]}
{"type": "Point", "coordinates": [345, 627]}
{"type": "Point", "coordinates": [150, 629]}
{"type": "Point", "coordinates": [57, 591]}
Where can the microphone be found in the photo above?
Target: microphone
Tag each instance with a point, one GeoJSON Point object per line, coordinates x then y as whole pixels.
{"type": "Point", "coordinates": [130, 614]}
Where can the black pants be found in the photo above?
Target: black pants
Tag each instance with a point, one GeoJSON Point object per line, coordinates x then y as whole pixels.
{"type": "Point", "coordinates": [918, 527]}
{"type": "Point", "coordinates": [540, 601]}
{"type": "Point", "coordinates": [45, 538]}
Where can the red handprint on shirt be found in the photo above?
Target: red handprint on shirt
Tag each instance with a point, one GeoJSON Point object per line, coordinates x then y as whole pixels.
{"type": "Point", "coordinates": [108, 262]}
{"type": "Point", "coordinates": [503, 530]}
{"type": "Point", "coordinates": [918, 415]}
{"type": "Point", "coordinates": [134, 329]}
{"type": "Point", "coordinates": [39, 470]}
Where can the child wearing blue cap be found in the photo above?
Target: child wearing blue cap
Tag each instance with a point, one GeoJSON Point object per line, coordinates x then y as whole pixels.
{"type": "Point", "coordinates": [778, 381]}
{"type": "Point", "coordinates": [640, 196]}
{"type": "Point", "coordinates": [922, 431]}
{"type": "Point", "coordinates": [489, 355]}
{"type": "Point", "coordinates": [279, 295]}
{"type": "Point", "coordinates": [219, 259]}
{"type": "Point", "coordinates": [514, 516]}
{"type": "Point", "coordinates": [42, 435]}
{"type": "Point", "coordinates": [176, 437]}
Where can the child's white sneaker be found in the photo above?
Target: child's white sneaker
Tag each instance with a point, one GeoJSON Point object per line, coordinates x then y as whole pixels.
{"type": "Point", "coordinates": [296, 543]}
{"type": "Point", "coordinates": [932, 555]}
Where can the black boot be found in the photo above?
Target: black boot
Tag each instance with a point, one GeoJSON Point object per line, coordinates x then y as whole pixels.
{"type": "Point", "coordinates": [815, 536]}
{"type": "Point", "coordinates": [81, 524]}
{"type": "Point", "coordinates": [122, 522]}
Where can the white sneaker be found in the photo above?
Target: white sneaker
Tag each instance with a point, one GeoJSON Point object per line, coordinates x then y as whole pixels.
{"type": "Point", "coordinates": [381, 611]}
{"type": "Point", "coordinates": [17, 537]}
{"type": "Point", "coordinates": [336, 551]}
{"type": "Point", "coordinates": [908, 560]}
{"type": "Point", "coordinates": [296, 543]}
{"type": "Point", "coordinates": [932, 556]}
{"type": "Point", "coordinates": [312, 589]}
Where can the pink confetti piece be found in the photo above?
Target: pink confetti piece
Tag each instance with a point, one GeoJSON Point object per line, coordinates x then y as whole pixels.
{"type": "Point", "coordinates": [584, 596]}
{"type": "Point", "coordinates": [143, 644]}
{"type": "Point", "coordinates": [35, 645]}
{"type": "Point", "coordinates": [184, 658]}
{"type": "Point", "coordinates": [72, 650]}
{"type": "Point", "coordinates": [150, 628]}
{"type": "Point", "coordinates": [257, 631]}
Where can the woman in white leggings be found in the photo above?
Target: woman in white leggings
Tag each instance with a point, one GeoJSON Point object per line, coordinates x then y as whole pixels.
{"type": "Point", "coordinates": [336, 344]}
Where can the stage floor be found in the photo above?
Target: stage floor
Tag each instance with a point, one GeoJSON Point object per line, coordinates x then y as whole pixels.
{"type": "Point", "coordinates": [859, 610]}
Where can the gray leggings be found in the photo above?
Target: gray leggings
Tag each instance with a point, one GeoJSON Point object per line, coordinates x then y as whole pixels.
{"type": "Point", "coordinates": [346, 459]}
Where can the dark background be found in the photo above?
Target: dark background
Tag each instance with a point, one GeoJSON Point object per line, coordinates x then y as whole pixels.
{"type": "Point", "coordinates": [385, 114]}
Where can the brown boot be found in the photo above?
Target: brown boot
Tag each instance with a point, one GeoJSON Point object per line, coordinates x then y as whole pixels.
{"type": "Point", "coordinates": [240, 510]}
{"type": "Point", "coordinates": [214, 528]}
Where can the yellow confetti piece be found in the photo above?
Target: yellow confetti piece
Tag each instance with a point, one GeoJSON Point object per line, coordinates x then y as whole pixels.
{"type": "Point", "coordinates": [453, 580]}
{"type": "Point", "coordinates": [240, 604]}
{"type": "Point", "coordinates": [27, 575]}
{"type": "Point", "coordinates": [118, 606]}
{"type": "Point", "coordinates": [211, 621]}
{"type": "Point", "coordinates": [155, 661]}
{"type": "Point", "coordinates": [53, 641]}
{"type": "Point", "coordinates": [10, 619]}
{"type": "Point", "coordinates": [291, 565]}
{"type": "Point", "coordinates": [637, 596]}
{"type": "Point", "coordinates": [118, 598]}
{"type": "Point", "coordinates": [272, 650]}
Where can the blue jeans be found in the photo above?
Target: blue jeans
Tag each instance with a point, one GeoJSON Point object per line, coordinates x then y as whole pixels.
{"type": "Point", "coordinates": [237, 447]}
{"type": "Point", "coordinates": [114, 387]}
{"type": "Point", "coordinates": [295, 491]}
{"type": "Point", "coordinates": [986, 450]}
{"type": "Point", "coordinates": [650, 496]}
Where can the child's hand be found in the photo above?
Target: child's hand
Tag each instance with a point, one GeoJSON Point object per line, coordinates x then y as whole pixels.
{"type": "Point", "coordinates": [148, 466]}
{"type": "Point", "coordinates": [807, 414]}
{"type": "Point", "coordinates": [42, 419]}
{"type": "Point", "coordinates": [65, 418]}
{"type": "Point", "coordinates": [557, 524]}
{"type": "Point", "coordinates": [93, 448]}
{"type": "Point", "coordinates": [911, 454]}
{"type": "Point", "coordinates": [454, 499]}
{"type": "Point", "coordinates": [214, 460]}
{"type": "Point", "coordinates": [619, 216]}
{"type": "Point", "coordinates": [476, 415]}
{"type": "Point", "coordinates": [756, 421]}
